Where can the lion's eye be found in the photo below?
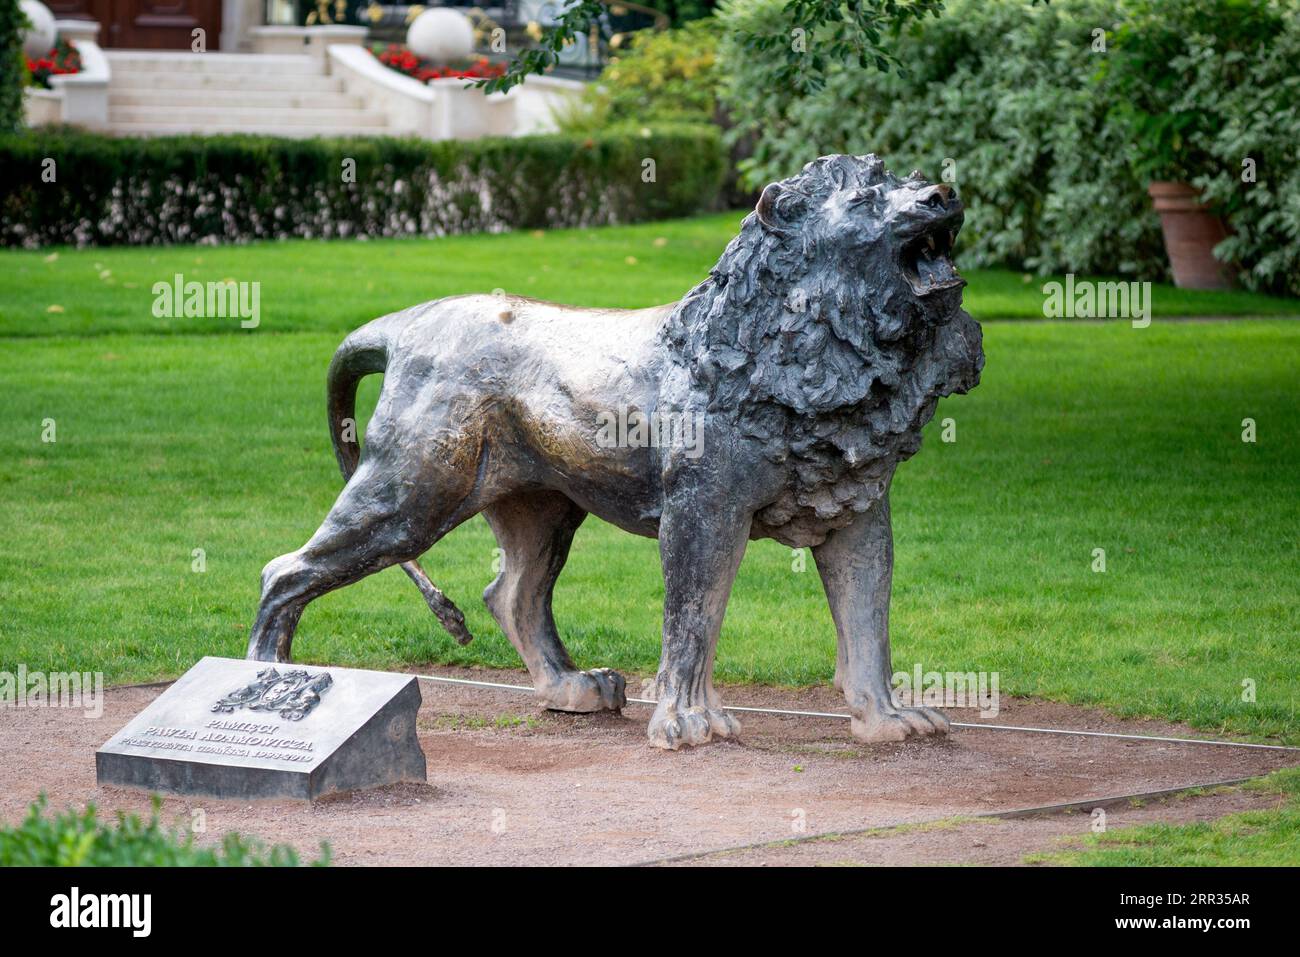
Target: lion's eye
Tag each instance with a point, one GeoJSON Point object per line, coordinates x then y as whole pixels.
{"type": "Point", "coordinates": [861, 196]}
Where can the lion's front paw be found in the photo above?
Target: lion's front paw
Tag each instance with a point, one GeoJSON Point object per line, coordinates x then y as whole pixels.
{"type": "Point", "coordinates": [672, 728]}
{"type": "Point", "coordinates": [879, 726]}
{"type": "Point", "coordinates": [600, 689]}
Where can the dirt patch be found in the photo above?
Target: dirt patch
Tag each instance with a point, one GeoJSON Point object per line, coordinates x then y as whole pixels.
{"type": "Point", "coordinates": [984, 841]}
{"type": "Point", "coordinates": [511, 784]}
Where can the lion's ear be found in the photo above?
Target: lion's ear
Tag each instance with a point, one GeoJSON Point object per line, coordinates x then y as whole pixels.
{"type": "Point", "coordinates": [775, 207]}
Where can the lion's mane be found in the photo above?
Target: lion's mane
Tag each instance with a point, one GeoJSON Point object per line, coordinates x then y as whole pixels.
{"type": "Point", "coordinates": [833, 370]}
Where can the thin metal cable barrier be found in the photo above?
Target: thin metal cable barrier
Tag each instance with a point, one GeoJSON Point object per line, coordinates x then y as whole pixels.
{"type": "Point", "coordinates": [955, 724]}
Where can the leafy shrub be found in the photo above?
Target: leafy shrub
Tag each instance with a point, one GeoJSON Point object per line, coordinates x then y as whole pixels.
{"type": "Point", "coordinates": [13, 71]}
{"type": "Point", "coordinates": [1206, 90]}
{"type": "Point", "coordinates": [663, 76]}
{"type": "Point", "coordinates": [73, 839]}
{"type": "Point", "coordinates": [1009, 101]}
{"type": "Point", "coordinates": [681, 11]}
{"type": "Point", "coordinates": [1260, 122]}
{"type": "Point", "coordinates": [148, 191]}
{"type": "Point", "coordinates": [1145, 73]}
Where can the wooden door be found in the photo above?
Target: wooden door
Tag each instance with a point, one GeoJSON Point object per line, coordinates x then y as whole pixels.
{"type": "Point", "coordinates": [146, 24]}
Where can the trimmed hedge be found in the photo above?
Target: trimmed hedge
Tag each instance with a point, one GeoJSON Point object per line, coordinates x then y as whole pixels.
{"type": "Point", "coordinates": [13, 65]}
{"type": "Point", "coordinates": [222, 189]}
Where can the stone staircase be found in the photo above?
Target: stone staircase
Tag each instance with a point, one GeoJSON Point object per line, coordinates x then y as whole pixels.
{"type": "Point", "coordinates": [155, 93]}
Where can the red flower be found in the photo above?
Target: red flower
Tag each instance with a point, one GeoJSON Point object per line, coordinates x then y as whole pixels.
{"type": "Point", "coordinates": [61, 60]}
{"type": "Point", "coordinates": [399, 58]}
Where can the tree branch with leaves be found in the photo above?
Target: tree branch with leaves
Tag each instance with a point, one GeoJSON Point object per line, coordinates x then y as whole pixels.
{"type": "Point", "coordinates": [856, 31]}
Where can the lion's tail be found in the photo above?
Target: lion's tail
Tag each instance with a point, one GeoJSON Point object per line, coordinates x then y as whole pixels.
{"type": "Point", "coordinates": [362, 353]}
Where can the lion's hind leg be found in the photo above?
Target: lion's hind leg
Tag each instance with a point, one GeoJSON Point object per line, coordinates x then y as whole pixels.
{"type": "Point", "coordinates": [381, 518]}
{"type": "Point", "coordinates": [535, 530]}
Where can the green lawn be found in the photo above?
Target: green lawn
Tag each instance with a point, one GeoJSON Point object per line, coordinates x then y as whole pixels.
{"type": "Point", "coordinates": [336, 286]}
{"type": "Point", "coordinates": [1082, 436]}
{"type": "Point", "coordinates": [1267, 838]}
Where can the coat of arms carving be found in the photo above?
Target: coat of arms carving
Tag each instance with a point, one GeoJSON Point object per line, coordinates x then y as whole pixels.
{"type": "Point", "coordinates": [292, 695]}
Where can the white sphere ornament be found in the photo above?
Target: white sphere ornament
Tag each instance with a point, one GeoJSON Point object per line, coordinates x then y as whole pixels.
{"type": "Point", "coordinates": [38, 39]}
{"type": "Point", "coordinates": [441, 36]}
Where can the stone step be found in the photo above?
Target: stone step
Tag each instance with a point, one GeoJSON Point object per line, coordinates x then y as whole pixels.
{"type": "Point", "coordinates": [211, 129]}
{"type": "Point", "coordinates": [215, 97]}
{"type": "Point", "coordinates": [202, 118]}
{"type": "Point", "coordinates": [222, 81]}
{"type": "Point", "coordinates": [241, 64]}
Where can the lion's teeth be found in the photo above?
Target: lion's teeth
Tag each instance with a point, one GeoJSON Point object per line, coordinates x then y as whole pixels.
{"type": "Point", "coordinates": [930, 241]}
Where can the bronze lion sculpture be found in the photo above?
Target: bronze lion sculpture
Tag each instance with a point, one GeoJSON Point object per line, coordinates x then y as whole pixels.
{"type": "Point", "coordinates": [796, 377]}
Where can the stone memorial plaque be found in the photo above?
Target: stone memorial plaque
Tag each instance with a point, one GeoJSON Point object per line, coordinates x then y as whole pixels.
{"type": "Point", "coordinates": [231, 728]}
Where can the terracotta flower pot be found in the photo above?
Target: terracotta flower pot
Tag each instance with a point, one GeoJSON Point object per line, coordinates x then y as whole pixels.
{"type": "Point", "coordinates": [1191, 232]}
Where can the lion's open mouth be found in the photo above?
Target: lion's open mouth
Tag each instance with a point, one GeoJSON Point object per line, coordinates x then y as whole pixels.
{"type": "Point", "coordinates": [927, 262]}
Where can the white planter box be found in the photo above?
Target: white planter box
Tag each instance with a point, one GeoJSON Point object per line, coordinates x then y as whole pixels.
{"type": "Point", "coordinates": [42, 107]}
